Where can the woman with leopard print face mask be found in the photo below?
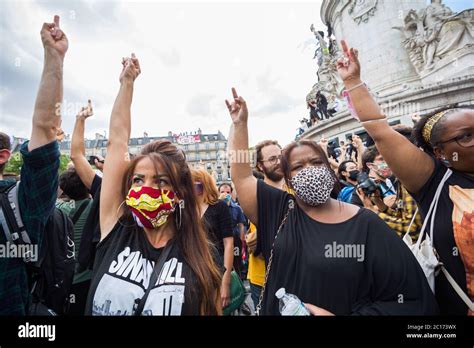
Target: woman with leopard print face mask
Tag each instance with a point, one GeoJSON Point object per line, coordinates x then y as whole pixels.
{"type": "Point", "coordinates": [339, 259]}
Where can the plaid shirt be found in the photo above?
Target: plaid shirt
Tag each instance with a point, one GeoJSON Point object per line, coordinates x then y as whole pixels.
{"type": "Point", "coordinates": [36, 197]}
{"type": "Point", "coordinates": [399, 218]}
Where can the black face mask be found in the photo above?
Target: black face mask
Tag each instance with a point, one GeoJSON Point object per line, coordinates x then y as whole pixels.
{"type": "Point", "coordinates": [353, 174]}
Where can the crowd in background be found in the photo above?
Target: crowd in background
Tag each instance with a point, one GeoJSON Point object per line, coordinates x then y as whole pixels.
{"type": "Point", "coordinates": [341, 228]}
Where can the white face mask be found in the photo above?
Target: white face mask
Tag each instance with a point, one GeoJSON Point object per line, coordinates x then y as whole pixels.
{"type": "Point", "coordinates": [313, 185]}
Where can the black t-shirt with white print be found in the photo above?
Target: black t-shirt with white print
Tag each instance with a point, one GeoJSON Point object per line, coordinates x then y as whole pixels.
{"type": "Point", "coordinates": [122, 269]}
{"type": "Point", "coordinates": [356, 267]}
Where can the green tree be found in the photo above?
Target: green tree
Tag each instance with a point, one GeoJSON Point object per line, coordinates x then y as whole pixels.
{"type": "Point", "coordinates": [16, 161]}
{"type": "Point", "coordinates": [63, 162]}
{"type": "Point", "coordinates": [14, 164]}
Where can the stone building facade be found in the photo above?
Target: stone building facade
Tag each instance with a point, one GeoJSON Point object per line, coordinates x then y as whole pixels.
{"type": "Point", "coordinates": [202, 150]}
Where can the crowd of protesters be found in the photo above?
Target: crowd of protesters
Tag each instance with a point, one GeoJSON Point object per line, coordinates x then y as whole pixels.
{"type": "Point", "coordinates": [148, 235]}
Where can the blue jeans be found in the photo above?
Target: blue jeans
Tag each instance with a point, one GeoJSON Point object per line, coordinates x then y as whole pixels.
{"type": "Point", "coordinates": [255, 293]}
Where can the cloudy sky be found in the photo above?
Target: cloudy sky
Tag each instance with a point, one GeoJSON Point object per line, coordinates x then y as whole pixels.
{"type": "Point", "coordinates": [191, 54]}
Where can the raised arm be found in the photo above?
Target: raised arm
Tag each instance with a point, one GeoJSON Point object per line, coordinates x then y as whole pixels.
{"type": "Point", "coordinates": [360, 150]}
{"type": "Point", "coordinates": [239, 157]}
{"type": "Point", "coordinates": [393, 146]}
{"type": "Point", "coordinates": [78, 150]}
{"type": "Point", "coordinates": [342, 156]}
{"type": "Point", "coordinates": [117, 148]}
{"type": "Point", "coordinates": [47, 112]}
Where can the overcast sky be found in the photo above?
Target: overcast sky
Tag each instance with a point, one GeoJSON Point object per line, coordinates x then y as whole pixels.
{"type": "Point", "coordinates": [191, 54]}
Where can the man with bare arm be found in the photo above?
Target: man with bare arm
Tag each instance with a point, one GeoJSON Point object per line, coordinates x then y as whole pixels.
{"type": "Point", "coordinates": [39, 174]}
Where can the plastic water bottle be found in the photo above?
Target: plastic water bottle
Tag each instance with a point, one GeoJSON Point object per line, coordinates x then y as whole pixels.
{"type": "Point", "coordinates": [290, 304]}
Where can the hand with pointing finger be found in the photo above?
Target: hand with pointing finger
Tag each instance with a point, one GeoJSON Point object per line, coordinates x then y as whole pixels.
{"type": "Point", "coordinates": [54, 39]}
{"type": "Point", "coordinates": [237, 109]}
{"type": "Point", "coordinates": [348, 67]}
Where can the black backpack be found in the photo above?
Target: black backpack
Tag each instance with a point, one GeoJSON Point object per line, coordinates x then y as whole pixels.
{"type": "Point", "coordinates": [51, 275]}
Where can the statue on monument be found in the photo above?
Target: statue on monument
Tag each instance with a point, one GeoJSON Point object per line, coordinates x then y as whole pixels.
{"type": "Point", "coordinates": [322, 49]}
{"type": "Point", "coordinates": [329, 85]}
{"type": "Point", "coordinates": [414, 42]}
{"type": "Point", "coordinates": [434, 32]}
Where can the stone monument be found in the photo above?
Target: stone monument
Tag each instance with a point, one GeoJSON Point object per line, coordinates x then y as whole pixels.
{"type": "Point", "coordinates": [440, 43]}
{"type": "Point", "coordinates": [415, 58]}
{"type": "Point", "coordinates": [329, 83]}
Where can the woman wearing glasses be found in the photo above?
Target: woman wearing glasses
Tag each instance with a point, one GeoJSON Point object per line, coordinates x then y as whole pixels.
{"type": "Point", "coordinates": [445, 161]}
{"type": "Point", "coordinates": [218, 223]}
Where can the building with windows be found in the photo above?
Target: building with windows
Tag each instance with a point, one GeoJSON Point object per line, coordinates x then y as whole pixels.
{"type": "Point", "coordinates": [202, 150]}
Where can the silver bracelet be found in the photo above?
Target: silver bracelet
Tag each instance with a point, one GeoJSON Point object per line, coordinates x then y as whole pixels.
{"type": "Point", "coordinates": [375, 120]}
{"type": "Point", "coordinates": [356, 86]}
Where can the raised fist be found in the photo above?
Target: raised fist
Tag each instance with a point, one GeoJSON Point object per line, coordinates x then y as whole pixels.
{"type": "Point", "coordinates": [54, 39]}
{"type": "Point", "coordinates": [323, 143]}
{"type": "Point", "coordinates": [86, 111]}
{"type": "Point", "coordinates": [131, 69]}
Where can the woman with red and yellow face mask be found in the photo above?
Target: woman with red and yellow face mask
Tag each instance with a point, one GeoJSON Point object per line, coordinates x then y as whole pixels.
{"type": "Point", "coordinates": [153, 257]}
